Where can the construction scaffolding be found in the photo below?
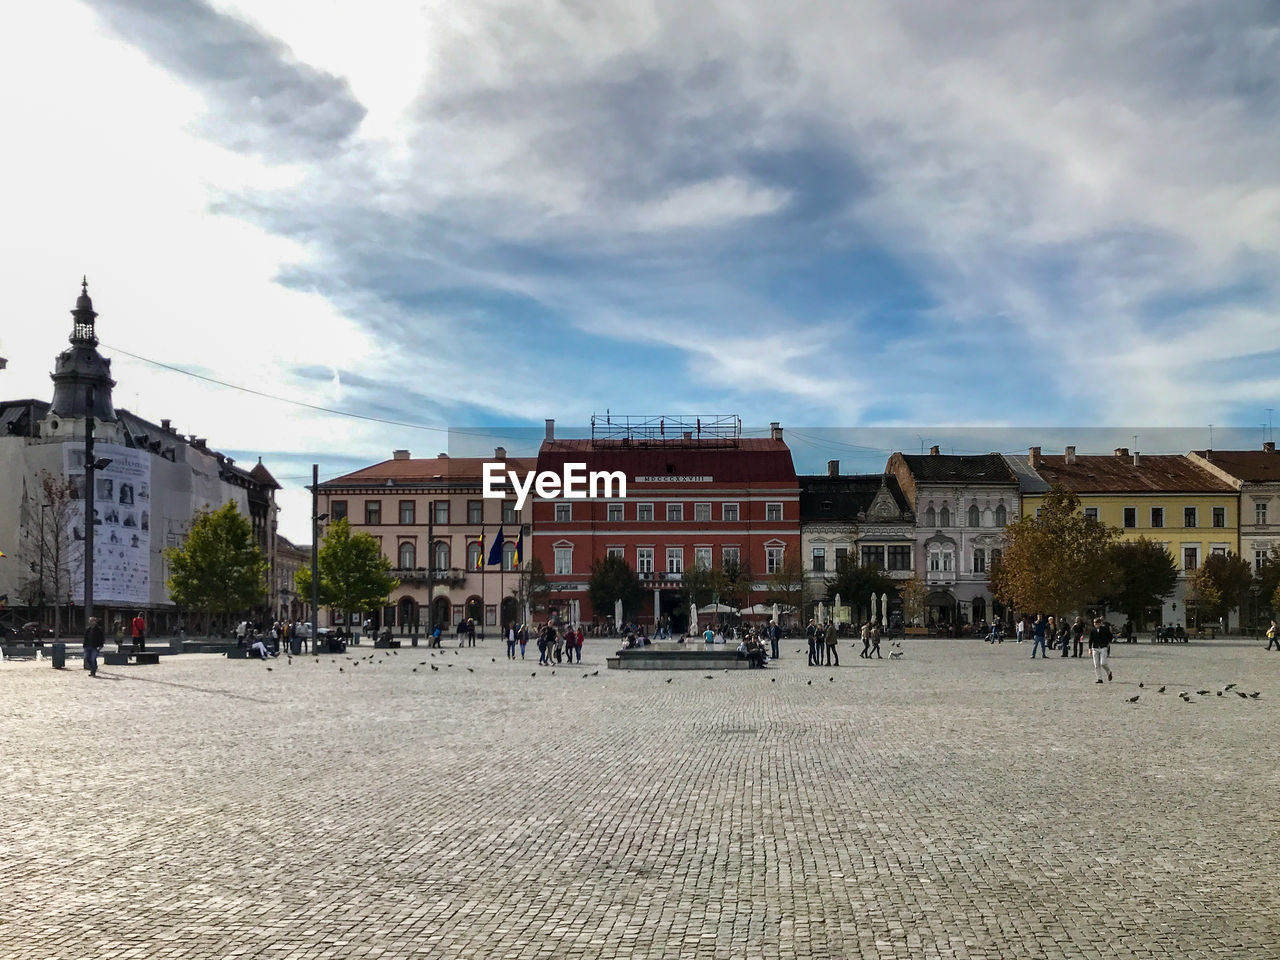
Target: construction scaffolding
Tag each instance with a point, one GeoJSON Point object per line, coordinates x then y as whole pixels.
{"type": "Point", "coordinates": [723, 430]}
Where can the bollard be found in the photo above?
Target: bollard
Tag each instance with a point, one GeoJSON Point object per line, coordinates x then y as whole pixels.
{"type": "Point", "coordinates": [59, 656]}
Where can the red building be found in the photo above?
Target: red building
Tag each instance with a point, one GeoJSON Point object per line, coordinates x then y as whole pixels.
{"type": "Point", "coordinates": [698, 493]}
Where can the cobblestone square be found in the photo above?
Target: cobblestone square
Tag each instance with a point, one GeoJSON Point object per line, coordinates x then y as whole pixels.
{"type": "Point", "coordinates": [962, 802]}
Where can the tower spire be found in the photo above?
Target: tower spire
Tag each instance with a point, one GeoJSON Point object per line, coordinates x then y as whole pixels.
{"type": "Point", "coordinates": [83, 314]}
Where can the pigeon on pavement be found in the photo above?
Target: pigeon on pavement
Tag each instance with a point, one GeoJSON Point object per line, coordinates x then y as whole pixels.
{"type": "Point", "coordinates": [1133, 699]}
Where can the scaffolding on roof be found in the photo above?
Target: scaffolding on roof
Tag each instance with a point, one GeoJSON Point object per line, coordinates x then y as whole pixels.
{"type": "Point", "coordinates": [721, 430]}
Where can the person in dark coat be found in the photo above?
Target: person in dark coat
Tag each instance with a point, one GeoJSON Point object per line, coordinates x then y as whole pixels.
{"type": "Point", "coordinates": [94, 640]}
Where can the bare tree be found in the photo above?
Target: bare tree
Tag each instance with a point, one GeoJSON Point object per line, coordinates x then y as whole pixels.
{"type": "Point", "coordinates": [52, 543]}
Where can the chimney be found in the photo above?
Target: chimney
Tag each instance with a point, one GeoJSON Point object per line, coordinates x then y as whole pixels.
{"type": "Point", "coordinates": [1071, 455]}
{"type": "Point", "coordinates": [442, 456]}
{"type": "Point", "coordinates": [164, 424]}
{"type": "Point", "coordinates": [1121, 451]}
{"type": "Point", "coordinates": [1269, 447]}
{"type": "Point", "coordinates": [688, 435]}
{"type": "Point", "coordinates": [775, 431]}
{"type": "Point", "coordinates": [399, 454]}
{"type": "Point", "coordinates": [934, 451]}
{"type": "Point", "coordinates": [499, 453]}
{"type": "Point", "coordinates": [833, 468]}
{"type": "Point", "coordinates": [551, 429]}
{"type": "Point", "coordinates": [1033, 456]}
{"type": "Point", "coordinates": [1137, 459]}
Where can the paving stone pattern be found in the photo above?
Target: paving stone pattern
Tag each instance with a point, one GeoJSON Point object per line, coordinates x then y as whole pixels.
{"type": "Point", "coordinates": [962, 802]}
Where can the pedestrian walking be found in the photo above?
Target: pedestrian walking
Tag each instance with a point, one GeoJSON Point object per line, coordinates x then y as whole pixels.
{"type": "Point", "coordinates": [874, 636]}
{"type": "Point", "coordinates": [1273, 636]}
{"type": "Point", "coordinates": [579, 637]}
{"type": "Point", "coordinates": [1038, 631]}
{"type": "Point", "coordinates": [1051, 634]}
{"type": "Point", "coordinates": [865, 633]}
{"type": "Point", "coordinates": [523, 637]}
{"type": "Point", "coordinates": [812, 632]}
{"type": "Point", "coordinates": [1100, 648]}
{"type": "Point", "coordinates": [139, 633]}
{"type": "Point", "coordinates": [832, 654]}
{"type": "Point", "coordinates": [471, 632]}
{"type": "Point", "coordinates": [1077, 637]}
{"type": "Point", "coordinates": [1064, 637]}
{"type": "Point", "coordinates": [511, 641]}
{"type": "Point", "coordinates": [94, 639]}
{"type": "Point", "coordinates": [775, 637]}
{"type": "Point", "coordinates": [1022, 628]}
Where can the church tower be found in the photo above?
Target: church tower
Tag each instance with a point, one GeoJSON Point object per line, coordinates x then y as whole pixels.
{"type": "Point", "coordinates": [78, 368]}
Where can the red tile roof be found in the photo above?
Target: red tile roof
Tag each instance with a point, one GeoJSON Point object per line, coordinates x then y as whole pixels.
{"type": "Point", "coordinates": [750, 460]}
{"type": "Point", "coordinates": [423, 470]}
{"type": "Point", "coordinates": [1254, 466]}
{"type": "Point", "coordinates": [1159, 473]}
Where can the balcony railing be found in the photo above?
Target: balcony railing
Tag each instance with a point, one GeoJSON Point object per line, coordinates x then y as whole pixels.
{"type": "Point", "coordinates": [445, 576]}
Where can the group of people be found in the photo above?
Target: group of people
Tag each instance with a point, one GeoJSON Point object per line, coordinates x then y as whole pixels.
{"type": "Point", "coordinates": [556, 644]}
{"type": "Point", "coordinates": [824, 639]}
{"type": "Point", "coordinates": [1054, 633]}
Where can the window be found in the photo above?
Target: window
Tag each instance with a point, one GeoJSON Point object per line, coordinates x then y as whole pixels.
{"type": "Point", "coordinates": [373, 512]}
{"type": "Point", "coordinates": [702, 513]}
{"type": "Point", "coordinates": [1157, 516]}
{"type": "Point", "coordinates": [930, 518]}
{"type": "Point", "coordinates": [944, 517]}
{"type": "Point", "coordinates": [1259, 560]}
{"type": "Point", "coordinates": [442, 555]}
{"type": "Point", "coordinates": [408, 556]}
{"type": "Point", "coordinates": [491, 615]}
{"type": "Point", "coordinates": [1002, 515]}
{"type": "Point", "coordinates": [1039, 510]}
{"type": "Point", "coordinates": [996, 554]}
{"type": "Point", "coordinates": [508, 556]}
{"type": "Point", "coordinates": [644, 512]}
{"type": "Point", "coordinates": [474, 555]}
{"type": "Point", "coordinates": [1188, 516]}
{"type": "Point", "coordinates": [475, 511]}
{"type": "Point", "coordinates": [564, 512]}
{"type": "Point", "coordinates": [675, 513]}
{"type": "Point", "coordinates": [819, 559]}
{"type": "Point", "coordinates": [442, 511]}
{"type": "Point", "coordinates": [338, 510]}
{"type": "Point", "coordinates": [564, 559]}
{"type": "Point", "coordinates": [1091, 513]}
{"type": "Point", "coordinates": [1218, 550]}
{"type": "Point", "coordinates": [948, 560]}
{"type": "Point", "coordinates": [730, 555]}
{"type": "Point", "coordinates": [702, 558]}
{"type": "Point", "coordinates": [873, 556]}
{"type": "Point", "coordinates": [842, 554]}
{"type": "Point", "coordinates": [772, 559]}
{"type": "Point", "coordinates": [900, 557]}
{"type": "Point", "coordinates": [979, 560]}
{"type": "Point", "coordinates": [618, 552]}
{"type": "Point", "coordinates": [1219, 516]}
{"type": "Point", "coordinates": [675, 559]}
{"type": "Point", "coordinates": [1259, 512]}
{"type": "Point", "coordinates": [613, 512]}
{"type": "Point", "coordinates": [729, 512]}
{"type": "Point", "coordinates": [975, 516]}
{"type": "Point", "coordinates": [1130, 517]}
{"type": "Point", "coordinates": [1190, 558]}
{"type": "Point", "coordinates": [935, 560]}
{"type": "Point", "coordinates": [644, 560]}
{"type": "Point", "coordinates": [406, 511]}
{"type": "Point", "coordinates": [509, 513]}
{"type": "Point", "coordinates": [773, 512]}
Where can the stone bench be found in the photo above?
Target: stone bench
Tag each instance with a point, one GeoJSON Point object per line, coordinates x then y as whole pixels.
{"type": "Point", "coordinates": [122, 658]}
{"type": "Point", "coordinates": [665, 658]}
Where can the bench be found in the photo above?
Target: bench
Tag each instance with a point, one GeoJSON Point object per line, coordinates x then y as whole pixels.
{"type": "Point", "coordinates": [121, 658]}
{"type": "Point", "coordinates": [238, 653]}
{"type": "Point", "coordinates": [665, 658]}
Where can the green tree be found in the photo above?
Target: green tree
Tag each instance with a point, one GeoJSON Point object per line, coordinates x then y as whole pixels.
{"type": "Point", "coordinates": [532, 590]}
{"type": "Point", "coordinates": [788, 585]}
{"type": "Point", "coordinates": [1058, 562]}
{"type": "Point", "coordinates": [699, 586]}
{"type": "Point", "coordinates": [611, 580]}
{"type": "Point", "coordinates": [354, 575]}
{"type": "Point", "coordinates": [1221, 584]}
{"type": "Point", "coordinates": [733, 584]}
{"type": "Point", "coordinates": [915, 595]}
{"type": "Point", "coordinates": [1142, 574]}
{"type": "Point", "coordinates": [855, 584]}
{"type": "Point", "coordinates": [219, 570]}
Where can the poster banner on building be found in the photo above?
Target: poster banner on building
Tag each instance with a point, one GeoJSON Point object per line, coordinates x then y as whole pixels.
{"type": "Point", "coordinates": [122, 524]}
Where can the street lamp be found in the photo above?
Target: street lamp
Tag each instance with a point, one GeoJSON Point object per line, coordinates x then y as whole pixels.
{"type": "Point", "coordinates": [316, 517]}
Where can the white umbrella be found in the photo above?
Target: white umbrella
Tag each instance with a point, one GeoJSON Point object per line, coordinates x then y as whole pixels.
{"type": "Point", "coordinates": [775, 613]}
{"type": "Point", "coordinates": [716, 608]}
{"type": "Point", "coordinates": [821, 618]}
{"type": "Point", "coordinates": [884, 610]}
{"type": "Point", "coordinates": [617, 614]}
{"type": "Point", "coordinates": [693, 619]}
{"type": "Point", "coordinates": [835, 606]}
{"type": "Point", "coordinates": [873, 606]}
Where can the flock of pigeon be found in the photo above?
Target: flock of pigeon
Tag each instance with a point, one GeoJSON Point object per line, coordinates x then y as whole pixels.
{"type": "Point", "coordinates": [1186, 697]}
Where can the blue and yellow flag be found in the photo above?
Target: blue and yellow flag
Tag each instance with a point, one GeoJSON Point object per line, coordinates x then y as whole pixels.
{"type": "Point", "coordinates": [495, 552]}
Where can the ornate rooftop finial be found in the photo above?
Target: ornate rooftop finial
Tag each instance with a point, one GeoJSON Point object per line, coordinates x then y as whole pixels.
{"type": "Point", "coordinates": [84, 316]}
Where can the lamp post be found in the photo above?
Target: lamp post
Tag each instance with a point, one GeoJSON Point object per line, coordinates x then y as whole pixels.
{"type": "Point", "coordinates": [90, 466]}
{"type": "Point", "coordinates": [43, 508]}
{"type": "Point", "coordinates": [316, 517]}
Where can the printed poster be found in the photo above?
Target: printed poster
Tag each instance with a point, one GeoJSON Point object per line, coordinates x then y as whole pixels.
{"type": "Point", "coordinates": [122, 524]}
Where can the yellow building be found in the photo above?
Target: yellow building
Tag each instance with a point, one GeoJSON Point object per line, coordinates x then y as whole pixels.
{"type": "Point", "coordinates": [1167, 498]}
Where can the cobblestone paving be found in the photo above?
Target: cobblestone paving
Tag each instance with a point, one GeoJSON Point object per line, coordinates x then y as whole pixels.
{"type": "Point", "coordinates": [962, 802]}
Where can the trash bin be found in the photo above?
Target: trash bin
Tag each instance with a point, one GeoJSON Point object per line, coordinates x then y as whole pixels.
{"type": "Point", "coordinates": [59, 656]}
{"type": "Point", "coordinates": [415, 639]}
{"type": "Point", "coordinates": [295, 645]}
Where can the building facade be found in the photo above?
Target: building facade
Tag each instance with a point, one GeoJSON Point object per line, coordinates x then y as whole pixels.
{"type": "Point", "coordinates": [1255, 474]}
{"type": "Point", "coordinates": [434, 524]}
{"type": "Point", "coordinates": [290, 558]}
{"type": "Point", "coordinates": [961, 505]}
{"type": "Point", "coordinates": [698, 494]}
{"type": "Point", "coordinates": [1169, 499]}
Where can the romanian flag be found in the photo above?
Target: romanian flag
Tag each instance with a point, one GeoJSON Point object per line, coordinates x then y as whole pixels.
{"type": "Point", "coordinates": [480, 554]}
{"type": "Point", "coordinates": [519, 557]}
{"type": "Point", "coordinates": [495, 552]}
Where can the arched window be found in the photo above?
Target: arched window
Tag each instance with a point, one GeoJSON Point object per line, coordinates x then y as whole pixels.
{"type": "Point", "coordinates": [1001, 516]}
{"type": "Point", "coordinates": [975, 516]}
{"type": "Point", "coordinates": [944, 517]}
{"type": "Point", "coordinates": [442, 555]}
{"type": "Point", "coordinates": [408, 556]}
{"type": "Point", "coordinates": [930, 517]}
{"type": "Point", "coordinates": [473, 555]}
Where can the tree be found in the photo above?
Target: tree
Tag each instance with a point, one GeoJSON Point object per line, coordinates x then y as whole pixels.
{"type": "Point", "coordinates": [915, 595]}
{"type": "Point", "coordinates": [700, 585]}
{"type": "Point", "coordinates": [611, 580]}
{"type": "Point", "coordinates": [734, 584]}
{"type": "Point", "coordinates": [354, 575]}
{"type": "Point", "coordinates": [50, 550]}
{"type": "Point", "coordinates": [1143, 574]}
{"type": "Point", "coordinates": [219, 570]}
{"type": "Point", "coordinates": [1058, 562]}
{"type": "Point", "coordinates": [856, 583]}
{"type": "Point", "coordinates": [532, 590]}
{"type": "Point", "coordinates": [787, 585]}
{"type": "Point", "coordinates": [1221, 584]}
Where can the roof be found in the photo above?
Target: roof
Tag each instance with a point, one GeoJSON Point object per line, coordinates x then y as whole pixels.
{"type": "Point", "coordinates": [1160, 473]}
{"type": "Point", "coordinates": [263, 475]}
{"type": "Point", "coordinates": [1028, 480]}
{"type": "Point", "coordinates": [749, 460]}
{"type": "Point", "coordinates": [423, 470]}
{"type": "Point", "coordinates": [1252, 466]}
{"type": "Point", "coordinates": [18, 417]}
{"type": "Point", "coordinates": [844, 497]}
{"type": "Point", "coordinates": [955, 468]}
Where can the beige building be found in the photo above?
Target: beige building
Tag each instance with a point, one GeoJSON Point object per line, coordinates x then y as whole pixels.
{"type": "Point", "coordinates": [289, 559]}
{"type": "Point", "coordinates": [436, 527]}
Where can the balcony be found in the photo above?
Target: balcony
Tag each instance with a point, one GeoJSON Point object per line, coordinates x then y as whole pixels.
{"type": "Point", "coordinates": [445, 577]}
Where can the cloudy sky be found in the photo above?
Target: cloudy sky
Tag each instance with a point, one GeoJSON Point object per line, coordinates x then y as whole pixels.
{"type": "Point", "coordinates": [489, 212]}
